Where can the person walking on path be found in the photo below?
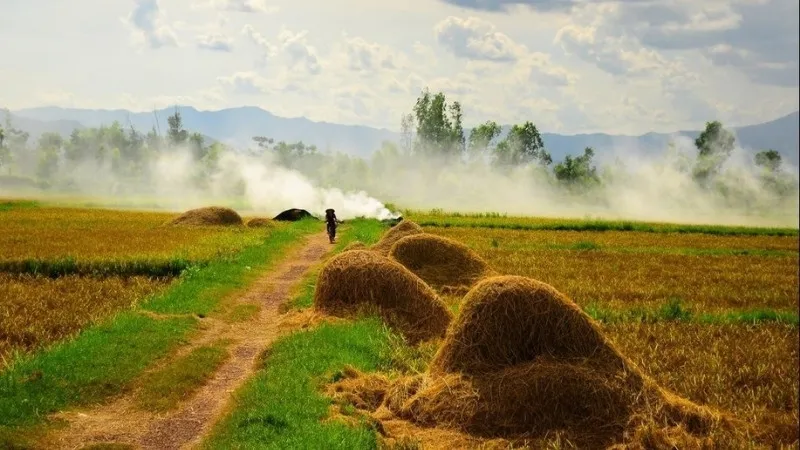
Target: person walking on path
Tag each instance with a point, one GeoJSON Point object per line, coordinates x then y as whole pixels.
{"type": "Point", "coordinates": [332, 221]}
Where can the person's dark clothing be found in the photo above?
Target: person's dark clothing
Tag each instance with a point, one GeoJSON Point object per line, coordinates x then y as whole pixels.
{"type": "Point", "coordinates": [330, 218]}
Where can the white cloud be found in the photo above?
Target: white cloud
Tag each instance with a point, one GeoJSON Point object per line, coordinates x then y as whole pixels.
{"type": "Point", "coordinates": [149, 25]}
{"type": "Point", "coordinates": [474, 38]}
{"type": "Point", "coordinates": [216, 42]}
{"type": "Point", "coordinates": [243, 6]}
{"type": "Point", "coordinates": [248, 83]}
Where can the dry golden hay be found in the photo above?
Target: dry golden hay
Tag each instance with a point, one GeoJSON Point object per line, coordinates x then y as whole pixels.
{"type": "Point", "coordinates": [523, 360]}
{"type": "Point", "coordinates": [352, 280]}
{"type": "Point", "coordinates": [441, 262]}
{"type": "Point", "coordinates": [397, 232]}
{"type": "Point", "coordinates": [210, 215]}
{"type": "Point", "coordinates": [355, 245]}
{"type": "Point", "coordinates": [509, 320]}
{"type": "Point", "coordinates": [260, 222]}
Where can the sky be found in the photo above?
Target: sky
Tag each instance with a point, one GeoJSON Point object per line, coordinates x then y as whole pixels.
{"type": "Point", "coordinates": [569, 66]}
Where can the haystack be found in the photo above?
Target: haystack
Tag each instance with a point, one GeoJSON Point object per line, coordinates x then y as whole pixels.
{"type": "Point", "coordinates": [399, 231]}
{"type": "Point", "coordinates": [355, 245]}
{"type": "Point", "coordinates": [509, 320]}
{"type": "Point", "coordinates": [524, 360]}
{"type": "Point", "coordinates": [260, 222]}
{"type": "Point", "coordinates": [211, 215]}
{"type": "Point", "coordinates": [441, 262]}
{"type": "Point", "coordinates": [293, 215]}
{"type": "Point", "coordinates": [361, 279]}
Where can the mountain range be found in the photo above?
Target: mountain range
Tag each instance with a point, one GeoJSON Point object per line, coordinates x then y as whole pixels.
{"type": "Point", "coordinates": [237, 126]}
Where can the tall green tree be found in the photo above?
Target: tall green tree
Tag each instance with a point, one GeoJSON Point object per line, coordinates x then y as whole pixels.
{"type": "Point", "coordinates": [440, 132]}
{"type": "Point", "coordinates": [522, 145]}
{"type": "Point", "coordinates": [769, 160]}
{"type": "Point", "coordinates": [577, 170]}
{"type": "Point", "coordinates": [714, 146]}
{"type": "Point", "coordinates": [481, 136]}
{"type": "Point", "coordinates": [177, 134]}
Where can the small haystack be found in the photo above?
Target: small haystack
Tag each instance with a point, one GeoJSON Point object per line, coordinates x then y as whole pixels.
{"type": "Point", "coordinates": [209, 216]}
{"type": "Point", "coordinates": [293, 215]}
{"type": "Point", "coordinates": [355, 245]}
{"type": "Point", "coordinates": [260, 222]}
{"type": "Point", "coordinates": [399, 231]}
{"type": "Point", "coordinates": [441, 262]}
{"type": "Point", "coordinates": [361, 279]}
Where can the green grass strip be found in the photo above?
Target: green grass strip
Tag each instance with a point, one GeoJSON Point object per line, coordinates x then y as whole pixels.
{"type": "Point", "coordinates": [69, 266]}
{"type": "Point", "coordinates": [9, 205]}
{"type": "Point", "coordinates": [103, 359]}
{"type": "Point", "coordinates": [283, 407]}
{"type": "Point", "coordinates": [165, 389]}
{"type": "Point", "coordinates": [99, 363]}
{"type": "Point", "coordinates": [598, 225]}
{"type": "Point", "coordinates": [674, 311]}
{"type": "Point", "coordinates": [199, 289]}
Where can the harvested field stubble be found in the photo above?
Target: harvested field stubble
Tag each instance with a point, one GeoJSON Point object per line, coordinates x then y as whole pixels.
{"type": "Point", "coordinates": [441, 262]}
{"type": "Point", "coordinates": [362, 279]}
{"type": "Point", "coordinates": [209, 216]}
{"type": "Point", "coordinates": [748, 370]}
{"type": "Point", "coordinates": [522, 360]}
{"type": "Point", "coordinates": [706, 283]}
{"type": "Point", "coordinates": [45, 234]}
{"type": "Point", "coordinates": [37, 311]}
{"type": "Point", "coordinates": [397, 232]}
{"type": "Point", "coordinates": [481, 240]}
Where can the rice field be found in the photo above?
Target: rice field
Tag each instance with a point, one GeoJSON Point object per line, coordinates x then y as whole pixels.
{"type": "Point", "coordinates": [636, 269]}
{"type": "Point", "coordinates": [65, 268]}
{"type": "Point", "coordinates": [712, 317]}
{"type": "Point", "coordinates": [37, 311]}
{"type": "Point", "coordinates": [83, 234]}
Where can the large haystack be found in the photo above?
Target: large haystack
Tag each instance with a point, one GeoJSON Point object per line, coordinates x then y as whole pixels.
{"type": "Point", "coordinates": [293, 215]}
{"type": "Point", "coordinates": [208, 216]}
{"type": "Point", "coordinates": [509, 320]}
{"type": "Point", "coordinates": [522, 360]}
{"type": "Point", "coordinates": [441, 262]}
{"type": "Point", "coordinates": [399, 231]}
{"type": "Point", "coordinates": [362, 279]}
{"type": "Point", "coordinates": [260, 222]}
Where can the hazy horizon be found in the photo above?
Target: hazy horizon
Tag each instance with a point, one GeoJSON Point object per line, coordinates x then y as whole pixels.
{"type": "Point", "coordinates": [616, 67]}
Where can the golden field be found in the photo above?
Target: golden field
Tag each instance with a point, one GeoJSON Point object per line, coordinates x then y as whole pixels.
{"type": "Point", "coordinates": [36, 311]}
{"type": "Point", "coordinates": [97, 234]}
{"type": "Point", "coordinates": [749, 370]}
{"type": "Point", "coordinates": [649, 277]}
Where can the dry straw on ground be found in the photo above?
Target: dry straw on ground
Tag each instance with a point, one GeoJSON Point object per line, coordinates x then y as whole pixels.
{"type": "Point", "coordinates": [399, 231]}
{"type": "Point", "coordinates": [210, 215]}
{"type": "Point", "coordinates": [523, 361]}
{"type": "Point", "coordinates": [260, 222]}
{"type": "Point", "coordinates": [355, 245]}
{"type": "Point", "coordinates": [443, 263]}
{"type": "Point", "coordinates": [361, 279]}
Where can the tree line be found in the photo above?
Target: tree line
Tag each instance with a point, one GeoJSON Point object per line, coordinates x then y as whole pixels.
{"type": "Point", "coordinates": [432, 133]}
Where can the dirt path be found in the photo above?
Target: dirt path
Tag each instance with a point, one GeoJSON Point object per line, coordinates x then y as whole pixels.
{"type": "Point", "coordinates": [121, 421]}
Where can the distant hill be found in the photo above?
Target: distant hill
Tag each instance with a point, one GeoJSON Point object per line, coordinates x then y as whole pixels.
{"type": "Point", "coordinates": [236, 126]}
{"type": "Point", "coordinates": [36, 128]}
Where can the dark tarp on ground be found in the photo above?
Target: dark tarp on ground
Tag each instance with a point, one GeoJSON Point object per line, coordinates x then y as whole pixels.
{"type": "Point", "coordinates": [293, 215]}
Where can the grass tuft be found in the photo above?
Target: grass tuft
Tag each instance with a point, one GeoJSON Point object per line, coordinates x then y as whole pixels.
{"type": "Point", "coordinates": [282, 406]}
{"type": "Point", "coordinates": [163, 390]}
